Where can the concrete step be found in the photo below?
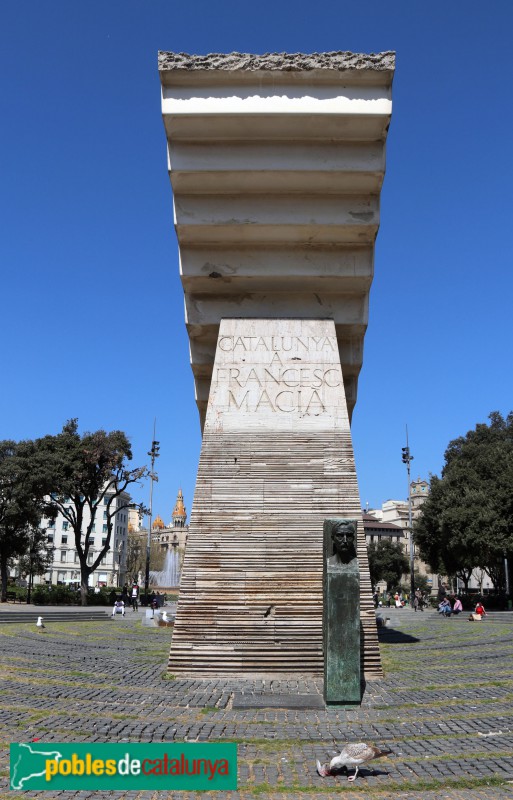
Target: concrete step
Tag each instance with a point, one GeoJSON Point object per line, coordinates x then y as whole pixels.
{"type": "Point", "coordinates": [17, 617]}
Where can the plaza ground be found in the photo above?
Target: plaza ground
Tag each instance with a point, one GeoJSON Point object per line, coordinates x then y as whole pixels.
{"type": "Point", "coordinates": [444, 708]}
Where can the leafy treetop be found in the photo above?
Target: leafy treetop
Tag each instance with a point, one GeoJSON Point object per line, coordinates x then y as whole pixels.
{"type": "Point", "coordinates": [467, 520]}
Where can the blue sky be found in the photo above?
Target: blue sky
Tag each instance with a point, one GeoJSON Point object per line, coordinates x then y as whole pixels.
{"type": "Point", "coordinates": [92, 313]}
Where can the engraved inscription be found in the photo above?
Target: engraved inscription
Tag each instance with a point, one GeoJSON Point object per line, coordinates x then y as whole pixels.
{"type": "Point", "coordinates": [277, 343]}
{"type": "Point", "coordinates": [287, 378]}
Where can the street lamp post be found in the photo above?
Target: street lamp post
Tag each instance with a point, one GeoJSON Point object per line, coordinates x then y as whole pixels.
{"type": "Point", "coordinates": [118, 556]}
{"type": "Point", "coordinates": [407, 459]}
{"type": "Point", "coordinates": [153, 453]}
{"type": "Point", "coordinates": [30, 580]}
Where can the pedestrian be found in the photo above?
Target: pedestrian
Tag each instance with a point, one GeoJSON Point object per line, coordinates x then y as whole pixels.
{"type": "Point", "coordinates": [457, 607]}
{"type": "Point", "coordinates": [445, 608]}
{"type": "Point", "coordinates": [154, 605]}
{"type": "Point", "coordinates": [119, 608]}
{"type": "Point", "coordinates": [480, 609]}
{"type": "Point", "coordinates": [135, 597]}
{"type": "Point", "coordinates": [416, 602]}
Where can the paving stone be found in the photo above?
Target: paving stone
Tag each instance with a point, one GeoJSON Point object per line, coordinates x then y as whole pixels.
{"type": "Point", "coordinates": [292, 701]}
{"type": "Point", "coordinates": [437, 709]}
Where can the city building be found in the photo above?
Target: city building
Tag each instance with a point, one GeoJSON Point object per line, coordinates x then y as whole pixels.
{"type": "Point", "coordinates": [396, 513]}
{"type": "Point", "coordinates": [65, 568]}
{"type": "Point", "coordinates": [376, 531]}
{"type": "Point", "coordinates": [172, 535]}
{"type": "Point", "coordinates": [175, 534]}
{"type": "Point", "coordinates": [135, 518]}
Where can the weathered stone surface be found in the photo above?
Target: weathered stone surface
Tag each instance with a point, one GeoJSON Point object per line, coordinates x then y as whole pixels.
{"type": "Point", "coordinates": [276, 460]}
{"type": "Point", "coordinates": [336, 60]}
{"type": "Point", "coordinates": [276, 163]}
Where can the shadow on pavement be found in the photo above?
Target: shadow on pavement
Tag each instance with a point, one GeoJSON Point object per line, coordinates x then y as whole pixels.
{"type": "Point", "coordinates": [393, 636]}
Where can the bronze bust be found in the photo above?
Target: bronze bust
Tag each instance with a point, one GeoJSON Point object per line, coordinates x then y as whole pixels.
{"type": "Point", "coordinates": [343, 536]}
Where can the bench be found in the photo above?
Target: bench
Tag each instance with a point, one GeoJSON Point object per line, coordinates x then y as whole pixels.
{"type": "Point", "coordinates": [12, 597]}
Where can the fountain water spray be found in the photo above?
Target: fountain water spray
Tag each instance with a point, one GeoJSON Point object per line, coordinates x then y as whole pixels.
{"type": "Point", "coordinates": [169, 575]}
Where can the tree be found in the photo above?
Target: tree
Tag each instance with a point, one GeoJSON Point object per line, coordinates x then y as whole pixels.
{"type": "Point", "coordinates": [136, 554]}
{"type": "Point", "coordinates": [37, 559]}
{"type": "Point", "coordinates": [441, 534]}
{"type": "Point", "coordinates": [420, 582]}
{"type": "Point", "coordinates": [467, 520]}
{"type": "Point", "coordinates": [387, 562]}
{"type": "Point", "coordinates": [87, 472]}
{"type": "Point", "coordinates": [21, 502]}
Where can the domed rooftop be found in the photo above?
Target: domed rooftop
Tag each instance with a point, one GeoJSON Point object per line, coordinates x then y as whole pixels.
{"type": "Point", "coordinates": [158, 524]}
{"type": "Point", "coordinates": [179, 510]}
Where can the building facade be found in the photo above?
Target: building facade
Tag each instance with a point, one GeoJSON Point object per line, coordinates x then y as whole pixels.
{"type": "Point", "coordinates": [376, 531]}
{"type": "Point", "coordinates": [396, 513]}
{"type": "Point", "coordinates": [65, 568]}
{"type": "Point", "coordinates": [174, 534]}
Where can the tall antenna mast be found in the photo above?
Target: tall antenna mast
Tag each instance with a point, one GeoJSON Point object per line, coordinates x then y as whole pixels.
{"type": "Point", "coordinates": [407, 459]}
{"type": "Point", "coordinates": [153, 453]}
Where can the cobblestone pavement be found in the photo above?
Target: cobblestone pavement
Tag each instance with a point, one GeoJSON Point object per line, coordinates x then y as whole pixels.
{"type": "Point", "coordinates": [444, 708]}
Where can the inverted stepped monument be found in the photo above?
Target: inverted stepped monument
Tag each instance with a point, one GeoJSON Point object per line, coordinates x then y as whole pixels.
{"type": "Point", "coordinates": [276, 164]}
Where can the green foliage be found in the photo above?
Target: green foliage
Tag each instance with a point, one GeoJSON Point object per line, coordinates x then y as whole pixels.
{"type": "Point", "coordinates": [87, 471]}
{"type": "Point", "coordinates": [467, 520]}
{"type": "Point", "coordinates": [136, 554]}
{"type": "Point", "coordinates": [387, 562]}
{"type": "Point", "coordinates": [55, 595]}
{"type": "Point", "coordinates": [22, 490]}
{"type": "Point", "coordinates": [19, 591]}
{"type": "Point", "coordinates": [421, 582]}
{"type": "Point", "coordinates": [101, 598]}
{"type": "Point", "coordinates": [64, 595]}
{"type": "Point", "coordinates": [39, 556]}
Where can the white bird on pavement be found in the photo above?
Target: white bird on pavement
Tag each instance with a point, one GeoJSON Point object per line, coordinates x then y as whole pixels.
{"type": "Point", "coordinates": [39, 623]}
{"type": "Point", "coordinates": [166, 619]}
{"type": "Point", "coordinates": [351, 755]}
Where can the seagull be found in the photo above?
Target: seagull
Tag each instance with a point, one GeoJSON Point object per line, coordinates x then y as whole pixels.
{"type": "Point", "coordinates": [352, 755]}
{"type": "Point", "coordinates": [166, 619]}
{"type": "Point", "coordinates": [39, 623]}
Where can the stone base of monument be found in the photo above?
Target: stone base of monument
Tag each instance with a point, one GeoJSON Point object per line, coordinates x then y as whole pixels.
{"type": "Point", "coordinates": [276, 461]}
{"type": "Point", "coordinates": [150, 619]}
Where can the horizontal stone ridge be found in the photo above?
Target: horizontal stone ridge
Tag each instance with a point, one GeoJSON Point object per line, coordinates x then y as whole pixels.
{"type": "Point", "coordinates": [276, 461]}
{"type": "Point", "coordinates": [251, 586]}
{"type": "Point", "coordinates": [285, 62]}
{"type": "Point", "coordinates": [276, 178]}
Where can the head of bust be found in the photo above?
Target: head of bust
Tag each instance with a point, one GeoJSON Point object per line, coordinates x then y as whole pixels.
{"type": "Point", "coordinates": [343, 536]}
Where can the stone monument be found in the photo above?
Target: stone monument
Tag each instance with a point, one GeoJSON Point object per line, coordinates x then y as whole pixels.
{"type": "Point", "coordinates": [341, 613]}
{"type": "Point", "coordinates": [276, 164]}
